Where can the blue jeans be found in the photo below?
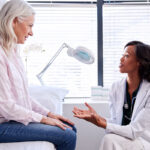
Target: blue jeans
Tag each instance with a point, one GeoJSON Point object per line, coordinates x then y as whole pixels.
{"type": "Point", "coordinates": [17, 132]}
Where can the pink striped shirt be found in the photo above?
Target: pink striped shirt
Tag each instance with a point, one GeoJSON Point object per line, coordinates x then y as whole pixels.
{"type": "Point", "coordinates": [15, 101]}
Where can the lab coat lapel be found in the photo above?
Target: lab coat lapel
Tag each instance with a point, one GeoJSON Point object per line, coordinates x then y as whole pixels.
{"type": "Point", "coordinates": [122, 89]}
{"type": "Point", "coordinates": [140, 100]}
{"type": "Point", "coordinates": [120, 97]}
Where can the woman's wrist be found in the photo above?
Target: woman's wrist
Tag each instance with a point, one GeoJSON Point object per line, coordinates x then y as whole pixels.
{"type": "Point", "coordinates": [49, 114]}
{"type": "Point", "coordinates": [43, 120]}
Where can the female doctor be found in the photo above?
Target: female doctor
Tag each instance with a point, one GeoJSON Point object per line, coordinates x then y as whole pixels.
{"type": "Point", "coordinates": [129, 126]}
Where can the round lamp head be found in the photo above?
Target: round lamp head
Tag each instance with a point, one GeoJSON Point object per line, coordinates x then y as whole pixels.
{"type": "Point", "coordinates": [81, 54]}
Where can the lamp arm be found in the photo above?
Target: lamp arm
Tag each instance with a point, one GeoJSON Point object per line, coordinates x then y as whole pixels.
{"type": "Point", "coordinates": [39, 76]}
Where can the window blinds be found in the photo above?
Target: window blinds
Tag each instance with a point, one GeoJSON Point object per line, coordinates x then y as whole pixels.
{"type": "Point", "coordinates": [121, 24]}
{"type": "Point", "coordinates": [74, 24]}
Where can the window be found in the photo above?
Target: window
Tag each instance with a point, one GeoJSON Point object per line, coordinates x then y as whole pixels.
{"type": "Point", "coordinates": [74, 23]}
{"type": "Point", "coordinates": [122, 22]}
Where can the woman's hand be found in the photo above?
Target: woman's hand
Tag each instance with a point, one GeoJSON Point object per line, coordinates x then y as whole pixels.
{"type": "Point", "coordinates": [59, 117]}
{"type": "Point", "coordinates": [89, 115]}
{"type": "Point", "coordinates": [54, 122]}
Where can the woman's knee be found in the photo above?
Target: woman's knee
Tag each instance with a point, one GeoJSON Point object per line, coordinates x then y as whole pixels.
{"type": "Point", "coordinates": [68, 140]}
{"type": "Point", "coordinates": [70, 134]}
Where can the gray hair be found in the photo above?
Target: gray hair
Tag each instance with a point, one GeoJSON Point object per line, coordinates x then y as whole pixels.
{"type": "Point", "coordinates": [11, 10]}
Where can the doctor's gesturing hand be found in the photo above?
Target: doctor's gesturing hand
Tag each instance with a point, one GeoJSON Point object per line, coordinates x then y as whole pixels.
{"type": "Point", "coordinates": [89, 115]}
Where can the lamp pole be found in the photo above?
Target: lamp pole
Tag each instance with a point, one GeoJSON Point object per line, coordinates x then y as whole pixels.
{"type": "Point", "coordinates": [80, 53]}
{"type": "Point", "coordinates": [39, 76]}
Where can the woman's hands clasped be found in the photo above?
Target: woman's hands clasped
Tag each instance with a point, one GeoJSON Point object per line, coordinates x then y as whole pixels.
{"type": "Point", "coordinates": [56, 120]}
{"type": "Point", "coordinates": [89, 115]}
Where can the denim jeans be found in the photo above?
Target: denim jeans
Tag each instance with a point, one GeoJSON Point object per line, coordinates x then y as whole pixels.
{"type": "Point", "coordinates": [17, 132]}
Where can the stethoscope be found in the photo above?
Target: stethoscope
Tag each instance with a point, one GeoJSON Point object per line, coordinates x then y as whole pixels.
{"type": "Point", "coordinates": [126, 105]}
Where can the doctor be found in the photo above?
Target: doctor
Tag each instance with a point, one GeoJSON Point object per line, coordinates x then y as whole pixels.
{"type": "Point", "coordinates": [129, 125]}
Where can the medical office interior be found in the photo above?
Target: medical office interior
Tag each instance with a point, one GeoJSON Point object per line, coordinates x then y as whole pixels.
{"type": "Point", "coordinates": [102, 28]}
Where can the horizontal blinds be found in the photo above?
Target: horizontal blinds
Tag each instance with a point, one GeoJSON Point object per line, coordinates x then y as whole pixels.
{"type": "Point", "coordinates": [75, 25]}
{"type": "Point", "coordinates": [122, 1]}
{"type": "Point", "coordinates": [52, 1]}
{"type": "Point", "coordinates": [121, 24]}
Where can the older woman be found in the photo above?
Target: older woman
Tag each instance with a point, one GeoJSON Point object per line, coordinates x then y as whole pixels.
{"type": "Point", "coordinates": [22, 118]}
{"type": "Point", "coordinates": [129, 126]}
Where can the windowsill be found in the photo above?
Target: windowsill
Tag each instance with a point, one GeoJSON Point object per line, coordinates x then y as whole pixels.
{"type": "Point", "coordinates": [83, 100]}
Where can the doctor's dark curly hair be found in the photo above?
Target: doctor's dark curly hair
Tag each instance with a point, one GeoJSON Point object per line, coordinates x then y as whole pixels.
{"type": "Point", "coordinates": [142, 52]}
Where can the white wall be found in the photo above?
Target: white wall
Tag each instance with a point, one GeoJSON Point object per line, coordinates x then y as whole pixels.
{"type": "Point", "coordinates": [2, 2]}
{"type": "Point", "coordinates": [88, 135]}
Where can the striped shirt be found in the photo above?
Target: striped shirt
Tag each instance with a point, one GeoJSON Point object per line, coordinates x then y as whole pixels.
{"type": "Point", "coordinates": [15, 101]}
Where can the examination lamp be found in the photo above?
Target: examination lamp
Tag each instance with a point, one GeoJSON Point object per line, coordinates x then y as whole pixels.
{"type": "Point", "coordinates": [82, 54]}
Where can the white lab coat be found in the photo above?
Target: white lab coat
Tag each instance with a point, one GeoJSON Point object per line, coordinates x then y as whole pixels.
{"type": "Point", "coordinates": [139, 126]}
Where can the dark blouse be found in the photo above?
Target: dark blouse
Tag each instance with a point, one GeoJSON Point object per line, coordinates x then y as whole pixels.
{"type": "Point", "coordinates": [128, 105]}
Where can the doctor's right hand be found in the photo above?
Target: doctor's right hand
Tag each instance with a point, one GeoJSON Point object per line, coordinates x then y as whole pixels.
{"type": "Point", "coordinates": [54, 122]}
{"type": "Point", "coordinates": [90, 115]}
